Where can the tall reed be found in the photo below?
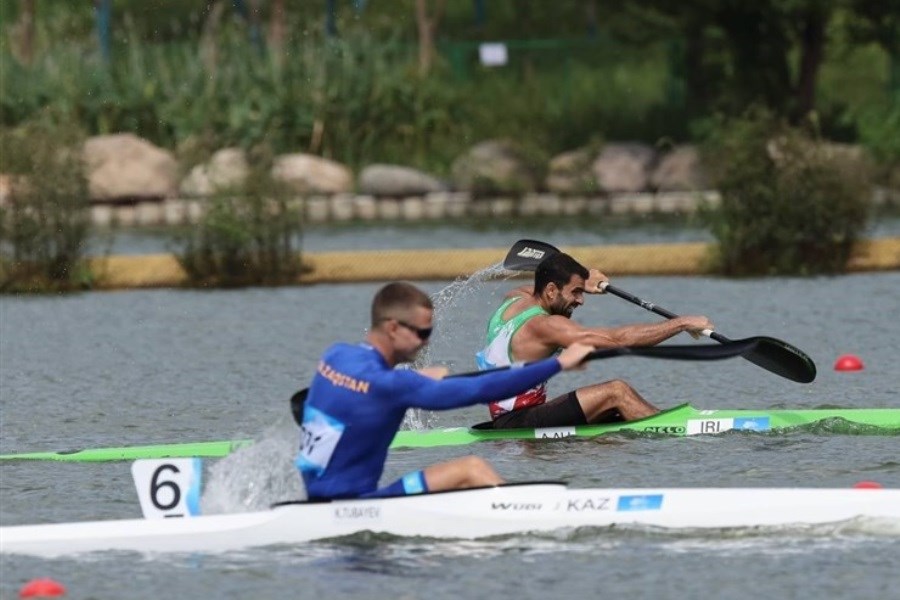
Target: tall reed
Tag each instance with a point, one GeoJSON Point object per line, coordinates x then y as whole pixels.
{"type": "Point", "coordinates": [356, 99]}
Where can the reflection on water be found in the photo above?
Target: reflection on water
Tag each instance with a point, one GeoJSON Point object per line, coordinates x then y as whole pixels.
{"type": "Point", "coordinates": [378, 552]}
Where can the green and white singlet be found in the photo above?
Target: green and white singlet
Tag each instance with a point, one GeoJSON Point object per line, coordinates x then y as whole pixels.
{"type": "Point", "coordinates": [497, 353]}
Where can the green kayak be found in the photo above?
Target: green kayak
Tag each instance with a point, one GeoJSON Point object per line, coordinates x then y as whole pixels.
{"type": "Point", "coordinates": [683, 420]}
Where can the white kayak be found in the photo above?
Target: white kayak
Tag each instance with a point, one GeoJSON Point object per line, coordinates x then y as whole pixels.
{"type": "Point", "coordinates": [466, 514]}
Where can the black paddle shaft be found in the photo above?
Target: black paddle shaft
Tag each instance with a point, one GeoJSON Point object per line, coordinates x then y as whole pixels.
{"type": "Point", "coordinates": [654, 308]}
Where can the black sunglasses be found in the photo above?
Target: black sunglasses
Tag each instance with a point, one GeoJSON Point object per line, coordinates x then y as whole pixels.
{"type": "Point", "coordinates": [423, 332]}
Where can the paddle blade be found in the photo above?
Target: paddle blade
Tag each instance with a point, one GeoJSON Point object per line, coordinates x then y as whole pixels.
{"type": "Point", "coordinates": [297, 401]}
{"type": "Point", "coordinates": [682, 352]}
{"type": "Point", "coordinates": [526, 255]}
{"type": "Point", "coordinates": [781, 358]}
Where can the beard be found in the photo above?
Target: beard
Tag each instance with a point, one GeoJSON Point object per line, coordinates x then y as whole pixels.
{"type": "Point", "coordinates": [562, 308]}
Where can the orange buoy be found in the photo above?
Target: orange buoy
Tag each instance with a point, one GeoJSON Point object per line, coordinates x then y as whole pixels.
{"type": "Point", "coordinates": [848, 362]}
{"type": "Point", "coordinates": [42, 588]}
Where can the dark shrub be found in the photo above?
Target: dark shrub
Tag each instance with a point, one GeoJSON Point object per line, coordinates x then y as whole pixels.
{"type": "Point", "coordinates": [45, 224]}
{"type": "Point", "coordinates": [248, 235]}
{"type": "Point", "coordinates": [791, 203]}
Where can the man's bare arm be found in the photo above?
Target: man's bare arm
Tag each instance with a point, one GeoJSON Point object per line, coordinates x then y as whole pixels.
{"type": "Point", "coordinates": [562, 332]}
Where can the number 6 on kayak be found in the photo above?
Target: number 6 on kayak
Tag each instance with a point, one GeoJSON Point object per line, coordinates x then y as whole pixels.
{"type": "Point", "coordinates": [168, 487]}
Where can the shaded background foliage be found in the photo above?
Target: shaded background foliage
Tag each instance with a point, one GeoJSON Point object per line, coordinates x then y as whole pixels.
{"type": "Point", "coordinates": [343, 79]}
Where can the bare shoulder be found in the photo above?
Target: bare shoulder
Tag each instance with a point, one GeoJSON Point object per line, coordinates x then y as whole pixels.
{"type": "Point", "coordinates": [522, 291]}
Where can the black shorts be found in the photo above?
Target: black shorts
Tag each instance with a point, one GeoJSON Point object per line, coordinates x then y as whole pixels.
{"type": "Point", "coordinates": [564, 411]}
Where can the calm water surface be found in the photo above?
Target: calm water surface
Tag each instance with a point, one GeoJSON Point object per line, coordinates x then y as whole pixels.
{"type": "Point", "coordinates": [125, 368]}
{"type": "Point", "coordinates": [489, 234]}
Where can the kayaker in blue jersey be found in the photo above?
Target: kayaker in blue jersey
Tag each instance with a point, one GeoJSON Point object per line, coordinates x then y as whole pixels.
{"type": "Point", "coordinates": [534, 322]}
{"type": "Point", "coordinates": [357, 401]}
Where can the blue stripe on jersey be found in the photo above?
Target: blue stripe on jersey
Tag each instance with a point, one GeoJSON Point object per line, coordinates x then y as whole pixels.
{"type": "Point", "coordinates": [414, 483]}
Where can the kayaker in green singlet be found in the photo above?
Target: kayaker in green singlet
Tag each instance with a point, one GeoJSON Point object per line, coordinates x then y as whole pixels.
{"type": "Point", "coordinates": [535, 321]}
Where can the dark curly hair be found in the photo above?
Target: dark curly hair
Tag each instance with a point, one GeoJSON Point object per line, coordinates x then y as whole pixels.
{"type": "Point", "coordinates": [557, 269]}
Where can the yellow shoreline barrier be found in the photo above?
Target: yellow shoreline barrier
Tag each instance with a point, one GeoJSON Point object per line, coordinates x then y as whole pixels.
{"type": "Point", "coordinates": [163, 270]}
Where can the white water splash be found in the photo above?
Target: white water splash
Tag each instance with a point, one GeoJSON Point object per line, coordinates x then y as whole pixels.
{"type": "Point", "coordinates": [255, 476]}
{"type": "Point", "coordinates": [446, 302]}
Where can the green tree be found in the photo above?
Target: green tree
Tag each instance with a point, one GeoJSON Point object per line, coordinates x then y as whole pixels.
{"type": "Point", "coordinates": [739, 53]}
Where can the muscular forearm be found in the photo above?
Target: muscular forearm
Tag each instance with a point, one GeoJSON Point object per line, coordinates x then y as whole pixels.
{"type": "Point", "coordinates": [639, 335]}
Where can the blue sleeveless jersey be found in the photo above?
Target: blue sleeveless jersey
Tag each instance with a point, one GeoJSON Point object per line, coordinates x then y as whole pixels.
{"type": "Point", "coordinates": [356, 404]}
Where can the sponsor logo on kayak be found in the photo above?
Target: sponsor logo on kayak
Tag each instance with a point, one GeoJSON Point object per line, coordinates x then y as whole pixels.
{"type": "Point", "coordinates": [527, 252]}
{"type": "Point", "coordinates": [357, 512]}
{"type": "Point", "coordinates": [640, 502]}
{"type": "Point", "coordinates": [515, 506]}
{"type": "Point", "coordinates": [670, 429]}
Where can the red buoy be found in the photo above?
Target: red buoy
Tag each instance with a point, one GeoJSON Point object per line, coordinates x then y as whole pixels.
{"type": "Point", "coordinates": [42, 588]}
{"type": "Point", "coordinates": [848, 362]}
{"type": "Point", "coordinates": [867, 485]}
